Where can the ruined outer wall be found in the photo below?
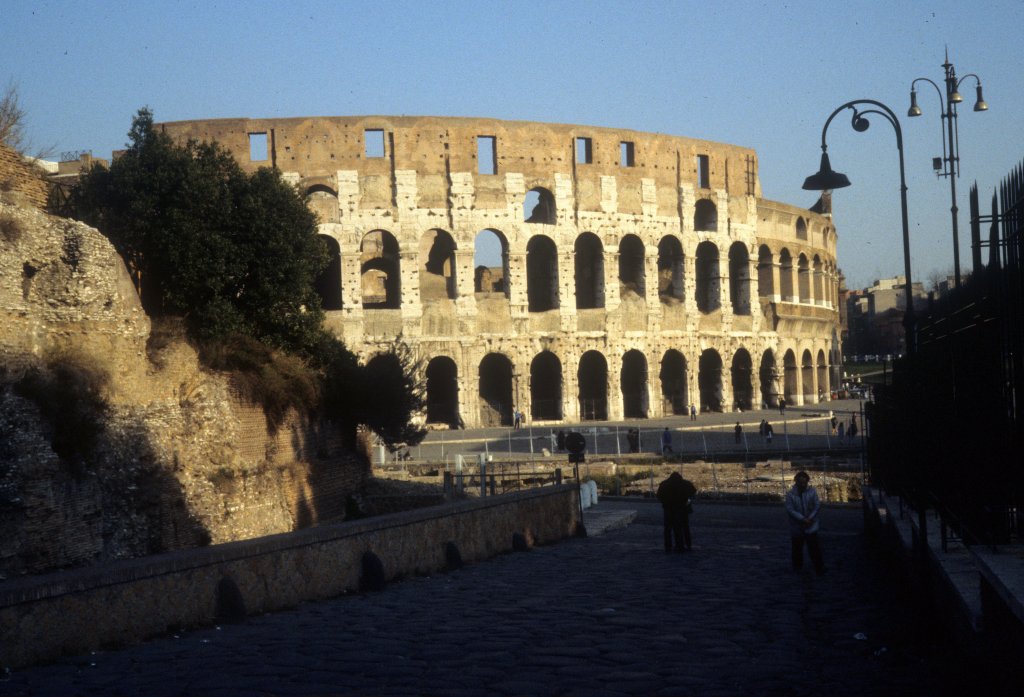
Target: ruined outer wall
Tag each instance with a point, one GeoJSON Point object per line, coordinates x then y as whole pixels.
{"type": "Point", "coordinates": [18, 177]}
{"type": "Point", "coordinates": [426, 181]}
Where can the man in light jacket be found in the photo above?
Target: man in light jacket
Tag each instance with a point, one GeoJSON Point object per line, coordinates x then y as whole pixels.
{"type": "Point", "coordinates": [803, 507]}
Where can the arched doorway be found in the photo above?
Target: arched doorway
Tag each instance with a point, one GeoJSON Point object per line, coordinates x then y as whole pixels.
{"type": "Point", "coordinates": [791, 379]}
{"type": "Point", "coordinates": [708, 278]}
{"type": "Point", "coordinates": [769, 377]}
{"type": "Point", "coordinates": [541, 274]}
{"type": "Point", "coordinates": [671, 284]}
{"type": "Point", "coordinates": [592, 379]}
{"type": "Point", "coordinates": [631, 268]}
{"type": "Point", "coordinates": [674, 388]}
{"type": "Point", "coordinates": [633, 384]}
{"type": "Point", "coordinates": [546, 387]}
{"type": "Point", "coordinates": [739, 278]}
{"type": "Point", "coordinates": [589, 264]}
{"type": "Point", "coordinates": [380, 271]}
{"type": "Point", "coordinates": [496, 390]}
{"type": "Point", "coordinates": [807, 377]}
{"type": "Point", "coordinates": [328, 283]}
{"type": "Point", "coordinates": [742, 383]}
{"type": "Point", "coordinates": [443, 392]}
{"type": "Point", "coordinates": [709, 381]}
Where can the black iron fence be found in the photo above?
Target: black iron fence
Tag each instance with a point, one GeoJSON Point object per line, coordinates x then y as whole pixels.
{"type": "Point", "coordinates": [947, 433]}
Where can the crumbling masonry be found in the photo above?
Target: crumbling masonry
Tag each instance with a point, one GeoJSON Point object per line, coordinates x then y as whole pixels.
{"type": "Point", "coordinates": [569, 272]}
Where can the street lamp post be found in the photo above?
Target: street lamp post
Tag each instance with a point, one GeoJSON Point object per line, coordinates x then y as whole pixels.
{"type": "Point", "coordinates": [826, 179]}
{"type": "Point", "coordinates": [949, 165]}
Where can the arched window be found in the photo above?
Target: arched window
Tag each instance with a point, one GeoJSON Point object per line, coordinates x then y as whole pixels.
{"type": "Point", "coordinates": [804, 278]}
{"type": "Point", "coordinates": [801, 229]}
{"type": "Point", "coordinates": [671, 284]}
{"type": "Point", "coordinates": [589, 263]}
{"type": "Point", "coordinates": [739, 278]}
{"type": "Point", "coordinates": [705, 216]}
{"type": "Point", "coordinates": [631, 267]}
{"type": "Point", "coordinates": [539, 207]}
{"type": "Point", "coordinates": [490, 262]}
{"type": "Point", "coordinates": [437, 266]}
{"type": "Point", "coordinates": [328, 283]}
{"type": "Point", "coordinates": [765, 275]}
{"type": "Point", "coordinates": [786, 276]}
{"type": "Point", "coordinates": [323, 200]}
{"type": "Point", "coordinates": [380, 271]}
{"type": "Point", "coordinates": [592, 379]}
{"type": "Point", "coordinates": [708, 278]}
{"type": "Point", "coordinates": [541, 274]}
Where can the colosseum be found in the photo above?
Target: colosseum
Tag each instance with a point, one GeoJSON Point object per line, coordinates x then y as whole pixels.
{"type": "Point", "coordinates": [568, 272]}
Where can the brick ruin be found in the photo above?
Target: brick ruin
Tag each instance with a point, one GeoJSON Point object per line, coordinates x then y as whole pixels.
{"type": "Point", "coordinates": [570, 272]}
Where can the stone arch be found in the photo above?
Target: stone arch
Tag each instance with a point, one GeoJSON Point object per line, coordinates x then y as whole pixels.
{"type": "Point", "coordinates": [328, 283]}
{"type": "Point", "coordinates": [633, 385]}
{"type": "Point", "coordinates": [801, 228]}
{"type": "Point", "coordinates": [824, 391]}
{"type": "Point", "coordinates": [786, 275]}
{"type": "Point", "coordinates": [589, 264]}
{"type": "Point", "coordinates": [769, 376]}
{"type": "Point", "coordinates": [709, 279]}
{"type": "Point", "coordinates": [807, 377]}
{"type": "Point", "coordinates": [490, 262]}
{"type": "Point", "coordinates": [380, 270]}
{"type": "Point", "coordinates": [631, 267]}
{"type": "Point", "coordinates": [592, 378]}
{"type": "Point", "coordinates": [539, 206]}
{"type": "Point", "coordinates": [791, 377]}
{"type": "Point", "coordinates": [496, 390]}
{"type": "Point", "coordinates": [437, 266]}
{"type": "Point", "coordinates": [765, 272]}
{"type": "Point", "coordinates": [739, 278]}
{"type": "Point", "coordinates": [541, 274]}
{"type": "Point", "coordinates": [443, 392]}
{"type": "Point", "coordinates": [709, 381]}
{"type": "Point", "coordinates": [671, 281]}
{"type": "Point", "coordinates": [705, 216]}
{"type": "Point", "coordinates": [545, 387]}
{"type": "Point", "coordinates": [742, 380]}
{"type": "Point", "coordinates": [818, 280]}
{"type": "Point", "coordinates": [323, 201]}
{"type": "Point", "coordinates": [803, 275]}
{"type": "Point", "coordinates": [674, 383]}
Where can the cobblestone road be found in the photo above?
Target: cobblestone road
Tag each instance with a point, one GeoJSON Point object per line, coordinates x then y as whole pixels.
{"type": "Point", "coordinates": [602, 616]}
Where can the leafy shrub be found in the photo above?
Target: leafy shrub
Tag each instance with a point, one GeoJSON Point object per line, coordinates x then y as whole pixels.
{"type": "Point", "coordinates": [10, 229]}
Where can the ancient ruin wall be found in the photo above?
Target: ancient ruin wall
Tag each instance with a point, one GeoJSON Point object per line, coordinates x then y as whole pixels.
{"type": "Point", "coordinates": [639, 272]}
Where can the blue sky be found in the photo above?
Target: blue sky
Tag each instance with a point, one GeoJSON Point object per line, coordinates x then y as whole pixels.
{"type": "Point", "coordinates": [763, 75]}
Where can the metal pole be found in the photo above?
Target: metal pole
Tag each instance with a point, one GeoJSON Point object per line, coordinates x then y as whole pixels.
{"type": "Point", "coordinates": [954, 158]}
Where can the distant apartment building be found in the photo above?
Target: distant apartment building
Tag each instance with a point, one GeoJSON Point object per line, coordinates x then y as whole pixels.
{"type": "Point", "coordinates": [874, 317]}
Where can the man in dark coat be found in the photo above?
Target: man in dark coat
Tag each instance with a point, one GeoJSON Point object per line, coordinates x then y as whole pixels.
{"type": "Point", "coordinates": [674, 494]}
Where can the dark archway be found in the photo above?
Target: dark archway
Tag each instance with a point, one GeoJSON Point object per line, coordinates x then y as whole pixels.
{"type": "Point", "coordinates": [742, 380]}
{"type": "Point", "coordinates": [671, 283]}
{"type": "Point", "coordinates": [674, 388]}
{"type": "Point", "coordinates": [769, 377]}
{"type": "Point", "coordinates": [380, 271]}
{"type": "Point", "coordinates": [328, 283]}
{"type": "Point", "coordinates": [496, 390]}
{"type": "Point", "coordinates": [546, 387]}
{"type": "Point", "coordinates": [633, 384]}
{"type": "Point", "coordinates": [437, 266]}
{"type": "Point", "coordinates": [807, 377]}
{"type": "Point", "coordinates": [824, 389]}
{"type": "Point", "coordinates": [541, 274]}
{"type": "Point", "coordinates": [791, 377]}
{"type": "Point", "coordinates": [443, 392]}
{"type": "Point", "coordinates": [804, 278]}
{"type": "Point", "coordinates": [490, 262]}
{"type": "Point", "coordinates": [705, 216]}
{"type": "Point", "coordinates": [592, 379]}
{"type": "Point", "coordinates": [786, 276]}
{"type": "Point", "coordinates": [709, 381]}
{"type": "Point", "coordinates": [708, 278]}
{"type": "Point", "coordinates": [632, 279]}
{"type": "Point", "coordinates": [739, 278]}
{"type": "Point", "coordinates": [589, 263]}
{"type": "Point", "coordinates": [765, 280]}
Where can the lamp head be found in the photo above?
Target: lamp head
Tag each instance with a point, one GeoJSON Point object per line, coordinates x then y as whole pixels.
{"type": "Point", "coordinates": [914, 109]}
{"type": "Point", "coordinates": [955, 97]}
{"type": "Point", "coordinates": [980, 105]}
{"type": "Point", "coordinates": [825, 178]}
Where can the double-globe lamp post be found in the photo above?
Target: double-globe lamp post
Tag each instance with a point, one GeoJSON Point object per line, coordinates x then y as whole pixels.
{"type": "Point", "coordinates": [949, 165]}
{"type": "Point", "coordinates": [826, 179]}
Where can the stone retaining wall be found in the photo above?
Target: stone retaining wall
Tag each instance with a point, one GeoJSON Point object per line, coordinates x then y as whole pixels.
{"type": "Point", "coordinates": [72, 612]}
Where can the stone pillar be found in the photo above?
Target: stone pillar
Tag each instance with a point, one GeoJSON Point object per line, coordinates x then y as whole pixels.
{"type": "Point", "coordinates": [614, 386]}
{"type": "Point", "coordinates": [776, 281]}
{"type": "Point", "coordinates": [409, 273]}
{"type": "Point", "coordinates": [517, 297]}
{"type": "Point", "coordinates": [465, 301]}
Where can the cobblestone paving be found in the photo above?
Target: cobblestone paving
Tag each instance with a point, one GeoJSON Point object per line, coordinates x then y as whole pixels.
{"type": "Point", "coordinates": [602, 616]}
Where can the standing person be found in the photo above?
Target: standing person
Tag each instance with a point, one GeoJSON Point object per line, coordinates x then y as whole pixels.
{"type": "Point", "coordinates": [674, 494]}
{"type": "Point", "coordinates": [768, 432]}
{"type": "Point", "coordinates": [803, 507]}
{"type": "Point", "coordinates": [516, 416]}
{"type": "Point", "coordinates": [666, 441]}
{"type": "Point", "coordinates": [842, 430]}
{"type": "Point", "coordinates": [853, 427]}
{"type": "Point", "coordinates": [762, 429]}
{"type": "Point", "coordinates": [693, 412]}
{"type": "Point", "coordinates": [782, 405]}
{"type": "Point", "coordinates": [834, 423]}
{"type": "Point", "coordinates": [739, 432]}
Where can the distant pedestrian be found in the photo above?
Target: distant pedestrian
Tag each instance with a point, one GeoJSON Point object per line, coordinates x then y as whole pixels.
{"type": "Point", "coordinates": [674, 494]}
{"type": "Point", "coordinates": [762, 429]}
{"type": "Point", "coordinates": [739, 432]}
{"type": "Point", "coordinates": [782, 405]}
{"type": "Point", "coordinates": [560, 441]}
{"type": "Point", "coordinates": [666, 441]}
{"type": "Point", "coordinates": [516, 417]}
{"type": "Point", "coordinates": [842, 430]}
{"type": "Point", "coordinates": [803, 508]}
{"type": "Point", "coordinates": [853, 428]}
{"type": "Point", "coordinates": [768, 432]}
{"type": "Point", "coordinates": [834, 422]}
{"type": "Point", "coordinates": [693, 412]}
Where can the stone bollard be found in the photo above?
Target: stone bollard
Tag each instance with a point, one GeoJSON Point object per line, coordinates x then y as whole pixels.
{"type": "Point", "coordinates": [584, 495]}
{"type": "Point", "coordinates": [592, 489]}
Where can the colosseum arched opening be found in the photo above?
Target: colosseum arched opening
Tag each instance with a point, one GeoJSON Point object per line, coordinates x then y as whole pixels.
{"type": "Point", "coordinates": [822, 367]}
{"type": "Point", "coordinates": [768, 374]}
{"type": "Point", "coordinates": [674, 387]}
{"type": "Point", "coordinates": [631, 269]}
{"type": "Point", "coordinates": [380, 271]}
{"type": "Point", "coordinates": [490, 261]}
{"type": "Point", "coordinates": [545, 387]}
{"type": "Point", "coordinates": [807, 378]}
{"type": "Point", "coordinates": [442, 391]}
{"type": "Point", "coordinates": [539, 207]}
{"type": "Point", "coordinates": [739, 278]}
{"type": "Point", "coordinates": [671, 286]}
{"type": "Point", "coordinates": [705, 216]}
{"type": "Point", "coordinates": [542, 274]}
{"type": "Point", "coordinates": [437, 270]}
{"type": "Point", "coordinates": [742, 384]}
{"type": "Point", "coordinates": [592, 379]}
{"type": "Point", "coordinates": [633, 385]}
{"type": "Point", "coordinates": [589, 267]}
{"type": "Point", "coordinates": [791, 378]}
{"type": "Point", "coordinates": [765, 273]}
{"type": "Point", "coordinates": [328, 283]}
{"type": "Point", "coordinates": [709, 278]}
{"type": "Point", "coordinates": [496, 390]}
{"type": "Point", "coordinates": [709, 381]}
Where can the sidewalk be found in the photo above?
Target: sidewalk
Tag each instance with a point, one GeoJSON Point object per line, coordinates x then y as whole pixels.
{"type": "Point", "coordinates": [606, 615]}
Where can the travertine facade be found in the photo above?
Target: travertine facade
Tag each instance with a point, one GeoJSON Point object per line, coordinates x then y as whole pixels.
{"type": "Point", "coordinates": [571, 272]}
